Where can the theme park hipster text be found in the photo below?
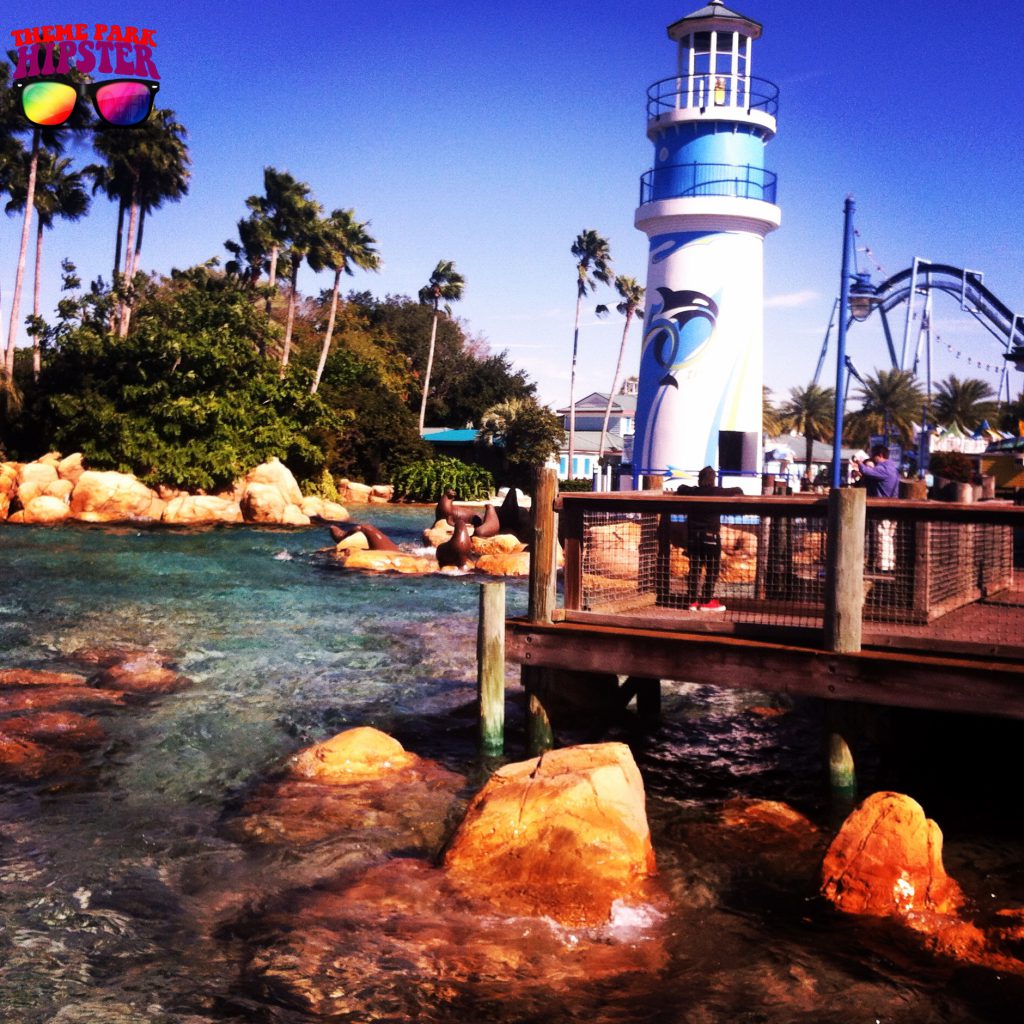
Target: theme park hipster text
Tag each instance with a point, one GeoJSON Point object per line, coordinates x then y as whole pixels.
{"type": "Point", "coordinates": [107, 49]}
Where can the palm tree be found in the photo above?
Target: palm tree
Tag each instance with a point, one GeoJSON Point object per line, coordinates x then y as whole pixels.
{"type": "Point", "coordinates": [303, 228]}
{"type": "Point", "coordinates": [142, 168]}
{"type": "Point", "coordinates": [632, 295]}
{"type": "Point", "coordinates": [771, 425]}
{"type": "Point", "coordinates": [890, 403]}
{"type": "Point", "coordinates": [341, 243]}
{"type": "Point", "coordinates": [251, 252]}
{"type": "Point", "coordinates": [58, 193]}
{"type": "Point", "coordinates": [593, 264]}
{"type": "Point", "coordinates": [811, 410]}
{"type": "Point", "coordinates": [445, 283]}
{"type": "Point", "coordinates": [966, 402]}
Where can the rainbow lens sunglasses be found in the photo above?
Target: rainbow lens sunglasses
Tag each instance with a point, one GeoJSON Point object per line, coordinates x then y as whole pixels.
{"type": "Point", "coordinates": [118, 102]}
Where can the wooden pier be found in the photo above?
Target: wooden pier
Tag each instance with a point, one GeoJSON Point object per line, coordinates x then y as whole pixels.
{"type": "Point", "coordinates": [808, 609]}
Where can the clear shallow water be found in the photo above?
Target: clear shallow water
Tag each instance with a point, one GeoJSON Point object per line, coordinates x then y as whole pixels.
{"type": "Point", "coordinates": [115, 888]}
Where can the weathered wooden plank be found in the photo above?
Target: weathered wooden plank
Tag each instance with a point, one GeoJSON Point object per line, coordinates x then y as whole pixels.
{"type": "Point", "coordinates": [878, 677]}
{"type": "Point", "coordinates": [490, 668]}
{"type": "Point", "coordinates": [543, 545]}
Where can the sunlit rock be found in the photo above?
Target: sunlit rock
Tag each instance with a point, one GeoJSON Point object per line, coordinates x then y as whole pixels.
{"type": "Point", "coordinates": [355, 541]}
{"type": "Point", "coordinates": [352, 493]}
{"type": "Point", "coordinates": [514, 563]}
{"type": "Point", "coordinates": [41, 473]}
{"type": "Point", "coordinates": [8, 485]}
{"type": "Point", "coordinates": [887, 861]}
{"type": "Point", "coordinates": [387, 561]}
{"type": "Point", "coordinates": [361, 781]}
{"type": "Point", "coordinates": [403, 938]}
{"type": "Point", "coordinates": [107, 656]}
{"type": "Point", "coordinates": [614, 549]}
{"type": "Point", "coordinates": [42, 509]}
{"type": "Point", "coordinates": [564, 835]}
{"type": "Point", "coordinates": [381, 494]}
{"type": "Point", "coordinates": [437, 534]}
{"type": "Point", "coordinates": [71, 467]}
{"type": "Point", "coordinates": [499, 544]}
{"type": "Point", "coordinates": [360, 753]}
{"type": "Point", "coordinates": [39, 677]}
{"type": "Point", "coordinates": [110, 497]}
{"type": "Point", "coordinates": [320, 508]}
{"type": "Point", "coordinates": [54, 697]}
{"type": "Point", "coordinates": [276, 474]}
{"type": "Point", "coordinates": [198, 509]}
{"type": "Point", "coordinates": [23, 759]}
{"type": "Point", "coordinates": [57, 728]}
{"type": "Point", "coordinates": [60, 489]}
{"type": "Point", "coordinates": [140, 676]}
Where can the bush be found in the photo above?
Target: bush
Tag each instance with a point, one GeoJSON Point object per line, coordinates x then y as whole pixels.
{"type": "Point", "coordinates": [953, 466]}
{"type": "Point", "coordinates": [579, 483]}
{"type": "Point", "coordinates": [426, 481]}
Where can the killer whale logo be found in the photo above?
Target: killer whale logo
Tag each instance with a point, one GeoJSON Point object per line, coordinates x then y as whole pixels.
{"type": "Point", "coordinates": [681, 327]}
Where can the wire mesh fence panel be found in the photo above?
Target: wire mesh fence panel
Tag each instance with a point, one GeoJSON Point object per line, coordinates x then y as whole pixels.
{"type": "Point", "coordinates": [619, 558]}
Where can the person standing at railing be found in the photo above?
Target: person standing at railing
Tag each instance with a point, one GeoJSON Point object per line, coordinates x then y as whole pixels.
{"type": "Point", "coordinates": [704, 543]}
{"type": "Point", "coordinates": [882, 480]}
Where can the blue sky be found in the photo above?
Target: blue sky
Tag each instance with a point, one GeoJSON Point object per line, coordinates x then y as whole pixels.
{"type": "Point", "coordinates": [493, 134]}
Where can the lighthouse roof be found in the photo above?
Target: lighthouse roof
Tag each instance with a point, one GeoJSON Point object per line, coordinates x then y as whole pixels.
{"type": "Point", "coordinates": [715, 16]}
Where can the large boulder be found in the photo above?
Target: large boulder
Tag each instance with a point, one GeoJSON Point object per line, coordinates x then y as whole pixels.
{"type": "Point", "coordinates": [354, 755]}
{"type": "Point", "coordinates": [71, 467]}
{"type": "Point", "coordinates": [513, 563]}
{"type": "Point", "coordinates": [110, 497]}
{"type": "Point", "coordinates": [192, 509]}
{"type": "Point", "coordinates": [499, 544]}
{"type": "Point", "coordinates": [886, 861]}
{"type": "Point", "coordinates": [564, 835]}
{"type": "Point", "coordinates": [386, 561]}
{"type": "Point", "coordinates": [8, 484]}
{"type": "Point", "coordinates": [278, 475]}
{"type": "Point", "coordinates": [320, 508]}
{"type": "Point", "coordinates": [42, 509]}
{"type": "Point", "coordinates": [271, 495]}
{"type": "Point", "coordinates": [352, 493]}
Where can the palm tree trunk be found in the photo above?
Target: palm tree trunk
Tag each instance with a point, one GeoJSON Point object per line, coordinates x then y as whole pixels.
{"type": "Point", "coordinates": [290, 321]}
{"type": "Point", "coordinates": [120, 237]}
{"type": "Point", "coordinates": [615, 381]}
{"type": "Point", "coordinates": [125, 304]}
{"type": "Point", "coordinates": [328, 334]}
{"type": "Point", "coordinates": [808, 453]}
{"type": "Point", "coordinates": [138, 242]}
{"type": "Point", "coordinates": [37, 359]}
{"type": "Point", "coordinates": [19, 279]}
{"type": "Point", "coordinates": [430, 366]}
{"type": "Point", "coordinates": [572, 388]}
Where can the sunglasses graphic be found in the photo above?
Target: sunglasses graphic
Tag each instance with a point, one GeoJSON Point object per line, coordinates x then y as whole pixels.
{"type": "Point", "coordinates": [118, 102]}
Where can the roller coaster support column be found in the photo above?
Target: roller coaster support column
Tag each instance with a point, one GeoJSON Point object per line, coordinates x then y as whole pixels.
{"type": "Point", "coordinates": [844, 317]}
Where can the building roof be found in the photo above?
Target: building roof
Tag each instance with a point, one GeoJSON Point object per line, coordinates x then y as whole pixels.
{"type": "Point", "coordinates": [597, 401]}
{"type": "Point", "coordinates": [443, 436]}
{"type": "Point", "coordinates": [715, 11]}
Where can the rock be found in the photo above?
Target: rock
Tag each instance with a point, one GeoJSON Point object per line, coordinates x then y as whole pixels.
{"type": "Point", "coordinates": [49, 697]}
{"type": "Point", "coordinates": [39, 677]}
{"type": "Point", "coordinates": [60, 489]}
{"type": "Point", "coordinates": [41, 473]}
{"type": "Point", "coordinates": [387, 561]}
{"type": "Point", "coordinates": [358, 753]}
{"type": "Point", "coordinates": [319, 508]}
{"type": "Point", "coordinates": [71, 468]}
{"type": "Point", "coordinates": [142, 676]}
{"type": "Point", "coordinates": [886, 861]}
{"type": "Point", "coordinates": [110, 497]}
{"type": "Point", "coordinates": [515, 563]}
{"type": "Point", "coordinates": [294, 516]}
{"type": "Point", "coordinates": [564, 836]}
{"type": "Point", "coordinates": [355, 541]}
{"type": "Point", "coordinates": [499, 544]}
{"type": "Point", "coordinates": [49, 459]}
{"type": "Point", "coordinates": [381, 494]}
{"type": "Point", "coordinates": [614, 549]}
{"type": "Point", "coordinates": [354, 493]}
{"type": "Point", "coordinates": [61, 728]}
{"type": "Point", "coordinates": [437, 534]}
{"type": "Point", "coordinates": [42, 509]}
{"type": "Point", "coordinates": [275, 473]}
{"type": "Point", "coordinates": [8, 485]}
{"type": "Point", "coordinates": [107, 656]}
{"type": "Point", "coordinates": [265, 503]}
{"type": "Point", "coordinates": [193, 509]}
{"type": "Point", "coordinates": [23, 759]}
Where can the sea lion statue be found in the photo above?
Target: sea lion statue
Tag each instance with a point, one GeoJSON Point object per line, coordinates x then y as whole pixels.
{"type": "Point", "coordinates": [487, 525]}
{"type": "Point", "coordinates": [375, 540]}
{"type": "Point", "coordinates": [454, 553]}
{"type": "Point", "coordinates": [445, 505]}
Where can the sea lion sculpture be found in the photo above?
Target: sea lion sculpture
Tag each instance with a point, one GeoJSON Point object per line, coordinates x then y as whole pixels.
{"type": "Point", "coordinates": [454, 553]}
{"type": "Point", "coordinates": [513, 519]}
{"type": "Point", "coordinates": [445, 505]}
{"type": "Point", "coordinates": [376, 541]}
{"type": "Point", "coordinates": [487, 525]}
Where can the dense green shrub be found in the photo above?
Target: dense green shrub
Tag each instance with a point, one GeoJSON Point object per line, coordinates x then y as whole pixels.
{"type": "Point", "coordinates": [427, 480]}
{"type": "Point", "coordinates": [579, 483]}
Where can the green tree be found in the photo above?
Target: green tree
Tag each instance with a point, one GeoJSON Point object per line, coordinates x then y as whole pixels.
{"type": "Point", "coordinates": [185, 398]}
{"type": "Point", "coordinates": [966, 402]}
{"type": "Point", "coordinates": [593, 263]}
{"type": "Point", "coordinates": [304, 228]}
{"type": "Point", "coordinates": [341, 243]}
{"type": "Point", "coordinates": [1012, 416]}
{"type": "Point", "coordinates": [891, 403]}
{"type": "Point", "coordinates": [527, 433]}
{"type": "Point", "coordinates": [631, 293]}
{"type": "Point", "coordinates": [59, 192]}
{"type": "Point", "coordinates": [811, 411]}
{"type": "Point", "coordinates": [771, 424]}
{"type": "Point", "coordinates": [447, 284]}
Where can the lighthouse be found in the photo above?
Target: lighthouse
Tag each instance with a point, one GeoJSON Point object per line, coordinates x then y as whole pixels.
{"type": "Point", "coordinates": [705, 206]}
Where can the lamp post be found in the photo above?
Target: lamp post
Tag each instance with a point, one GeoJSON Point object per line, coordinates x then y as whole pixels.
{"type": "Point", "coordinates": [844, 316]}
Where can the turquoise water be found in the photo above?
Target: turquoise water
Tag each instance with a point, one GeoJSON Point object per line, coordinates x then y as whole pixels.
{"type": "Point", "coordinates": [124, 898]}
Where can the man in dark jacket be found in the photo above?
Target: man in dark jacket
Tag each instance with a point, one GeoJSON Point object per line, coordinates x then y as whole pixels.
{"type": "Point", "coordinates": [704, 543]}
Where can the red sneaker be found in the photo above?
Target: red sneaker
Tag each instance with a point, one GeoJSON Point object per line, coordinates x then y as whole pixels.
{"type": "Point", "coordinates": [695, 607]}
{"type": "Point", "coordinates": [714, 605]}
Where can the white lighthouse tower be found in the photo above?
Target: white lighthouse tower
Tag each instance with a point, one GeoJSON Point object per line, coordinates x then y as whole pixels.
{"type": "Point", "coordinates": [706, 207]}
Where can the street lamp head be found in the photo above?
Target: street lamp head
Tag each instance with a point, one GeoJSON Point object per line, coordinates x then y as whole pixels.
{"type": "Point", "coordinates": [862, 296]}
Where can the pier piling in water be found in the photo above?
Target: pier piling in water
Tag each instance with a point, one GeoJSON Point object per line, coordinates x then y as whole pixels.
{"type": "Point", "coordinates": [490, 668]}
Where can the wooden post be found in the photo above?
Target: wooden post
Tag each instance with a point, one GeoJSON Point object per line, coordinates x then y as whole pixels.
{"type": "Point", "coordinates": [490, 668]}
{"type": "Point", "coordinates": [543, 546]}
{"type": "Point", "coordinates": [844, 569]}
{"type": "Point", "coordinates": [543, 576]}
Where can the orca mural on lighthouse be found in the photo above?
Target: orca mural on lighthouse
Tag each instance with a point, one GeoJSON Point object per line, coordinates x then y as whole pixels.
{"type": "Point", "coordinates": [706, 206]}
